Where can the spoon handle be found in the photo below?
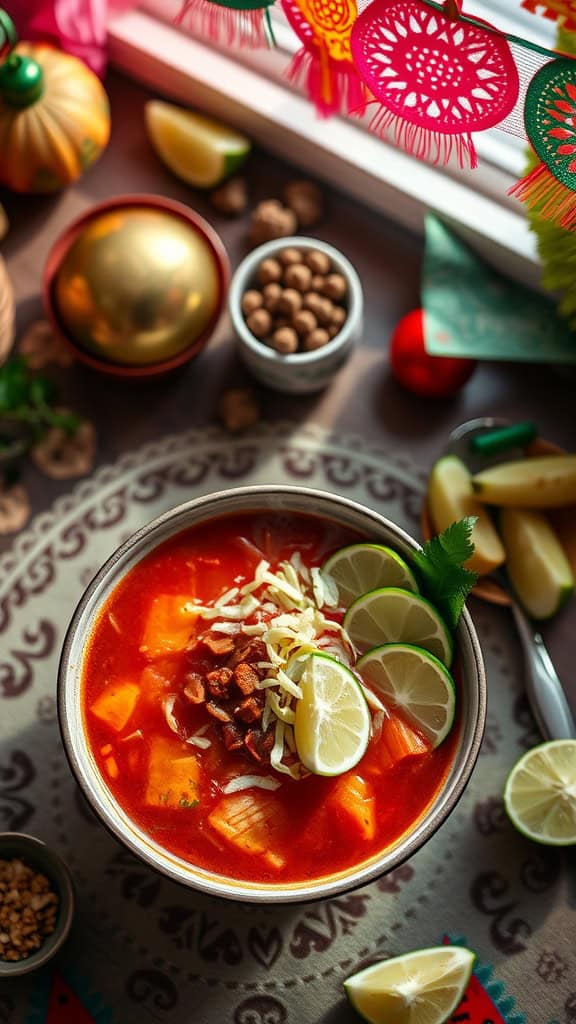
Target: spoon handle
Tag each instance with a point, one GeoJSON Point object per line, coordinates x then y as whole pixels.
{"type": "Point", "coordinates": [543, 687]}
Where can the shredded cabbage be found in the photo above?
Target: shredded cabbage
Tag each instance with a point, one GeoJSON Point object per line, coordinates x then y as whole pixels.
{"type": "Point", "coordinates": [251, 782]}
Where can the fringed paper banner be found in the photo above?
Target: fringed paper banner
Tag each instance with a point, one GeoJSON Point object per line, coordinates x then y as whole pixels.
{"type": "Point", "coordinates": [550, 120]}
{"type": "Point", "coordinates": [555, 10]}
{"type": "Point", "coordinates": [244, 23]}
{"type": "Point", "coordinates": [436, 79]}
{"type": "Point", "coordinates": [324, 66]}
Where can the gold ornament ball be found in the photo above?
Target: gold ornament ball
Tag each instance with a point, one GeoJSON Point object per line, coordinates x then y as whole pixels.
{"type": "Point", "coordinates": [138, 286]}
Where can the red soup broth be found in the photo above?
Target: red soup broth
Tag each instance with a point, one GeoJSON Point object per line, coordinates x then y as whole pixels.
{"type": "Point", "coordinates": [312, 827]}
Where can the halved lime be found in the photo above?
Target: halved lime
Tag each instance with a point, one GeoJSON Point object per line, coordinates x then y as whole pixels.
{"type": "Point", "coordinates": [332, 726]}
{"type": "Point", "coordinates": [201, 151]}
{"type": "Point", "coordinates": [536, 562]}
{"type": "Point", "coordinates": [392, 615]}
{"type": "Point", "coordinates": [540, 794]}
{"type": "Point", "coordinates": [423, 987]}
{"type": "Point", "coordinates": [358, 568]}
{"type": "Point", "coordinates": [413, 680]}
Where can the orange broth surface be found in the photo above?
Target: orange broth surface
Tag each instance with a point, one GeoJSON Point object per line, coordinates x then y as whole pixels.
{"type": "Point", "coordinates": [312, 834]}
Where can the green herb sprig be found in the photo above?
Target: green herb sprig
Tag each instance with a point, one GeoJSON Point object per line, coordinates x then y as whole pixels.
{"type": "Point", "coordinates": [440, 564]}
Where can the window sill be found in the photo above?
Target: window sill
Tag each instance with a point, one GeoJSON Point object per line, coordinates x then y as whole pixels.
{"type": "Point", "coordinates": [337, 151]}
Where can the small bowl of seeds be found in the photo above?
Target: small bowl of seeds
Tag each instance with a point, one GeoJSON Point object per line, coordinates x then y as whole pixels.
{"type": "Point", "coordinates": [296, 305]}
{"type": "Point", "coordinates": [36, 903]}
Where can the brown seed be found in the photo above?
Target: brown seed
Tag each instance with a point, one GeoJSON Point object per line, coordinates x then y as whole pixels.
{"type": "Point", "coordinates": [335, 286]}
{"type": "Point", "coordinates": [231, 199]}
{"type": "Point", "coordinates": [316, 339]}
{"type": "Point", "coordinates": [285, 340]}
{"type": "Point", "coordinates": [317, 283]}
{"type": "Point", "coordinates": [305, 199]}
{"type": "Point", "coordinates": [304, 322]}
{"type": "Point", "coordinates": [313, 302]}
{"type": "Point", "coordinates": [333, 330]}
{"type": "Point", "coordinates": [289, 302]}
{"type": "Point", "coordinates": [269, 270]}
{"type": "Point", "coordinates": [271, 293]}
{"type": "Point", "coordinates": [324, 311]}
{"type": "Point", "coordinates": [318, 261]}
{"type": "Point", "coordinates": [288, 256]}
{"type": "Point", "coordinates": [259, 322]}
{"type": "Point", "coordinates": [338, 317]}
{"type": "Point", "coordinates": [251, 300]}
{"type": "Point", "coordinates": [298, 276]}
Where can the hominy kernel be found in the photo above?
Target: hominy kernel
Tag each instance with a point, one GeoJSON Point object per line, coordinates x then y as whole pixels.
{"type": "Point", "coordinates": [260, 323]}
{"type": "Point", "coordinates": [317, 260]}
{"type": "Point", "coordinates": [316, 339]}
{"type": "Point", "coordinates": [269, 270]}
{"type": "Point", "coordinates": [251, 300]}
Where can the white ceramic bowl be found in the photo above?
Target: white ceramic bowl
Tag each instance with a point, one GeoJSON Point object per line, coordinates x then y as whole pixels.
{"type": "Point", "coordinates": [304, 372]}
{"type": "Point", "coordinates": [283, 499]}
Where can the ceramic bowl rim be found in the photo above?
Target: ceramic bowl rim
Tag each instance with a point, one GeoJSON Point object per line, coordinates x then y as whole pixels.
{"type": "Point", "coordinates": [64, 883]}
{"type": "Point", "coordinates": [66, 239]}
{"type": "Point", "coordinates": [120, 825]}
{"type": "Point", "coordinates": [246, 269]}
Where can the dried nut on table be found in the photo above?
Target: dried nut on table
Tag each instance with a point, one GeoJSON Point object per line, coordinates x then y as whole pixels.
{"type": "Point", "coordinates": [238, 409]}
{"type": "Point", "coordinates": [231, 199]}
{"type": "Point", "coordinates": [271, 220]}
{"type": "Point", "coordinates": [28, 910]}
{"type": "Point", "coordinates": [305, 199]}
{"type": "Point", "coordinates": [41, 347]}
{"type": "Point", "coordinates": [284, 310]}
{"type": "Point", "coordinates": [15, 508]}
{"type": "Point", "coordinates": [65, 456]}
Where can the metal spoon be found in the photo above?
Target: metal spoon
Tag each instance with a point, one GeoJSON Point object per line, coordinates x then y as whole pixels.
{"type": "Point", "coordinates": [543, 687]}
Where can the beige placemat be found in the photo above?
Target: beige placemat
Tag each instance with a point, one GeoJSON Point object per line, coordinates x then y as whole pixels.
{"type": "Point", "coordinates": [144, 949]}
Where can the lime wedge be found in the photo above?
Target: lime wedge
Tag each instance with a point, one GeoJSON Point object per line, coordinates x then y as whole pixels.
{"type": "Point", "coordinates": [415, 681]}
{"type": "Point", "coordinates": [358, 568]}
{"type": "Point", "coordinates": [423, 987]}
{"type": "Point", "coordinates": [391, 615]}
{"type": "Point", "coordinates": [197, 149]}
{"type": "Point", "coordinates": [540, 794]}
{"type": "Point", "coordinates": [537, 565]}
{"type": "Point", "coordinates": [332, 726]}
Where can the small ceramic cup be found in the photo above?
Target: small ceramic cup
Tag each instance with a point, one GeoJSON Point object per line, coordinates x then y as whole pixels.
{"type": "Point", "coordinates": [38, 856]}
{"type": "Point", "coordinates": [303, 372]}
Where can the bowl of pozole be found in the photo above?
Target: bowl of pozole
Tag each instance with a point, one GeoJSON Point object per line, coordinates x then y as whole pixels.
{"type": "Point", "coordinates": [259, 700]}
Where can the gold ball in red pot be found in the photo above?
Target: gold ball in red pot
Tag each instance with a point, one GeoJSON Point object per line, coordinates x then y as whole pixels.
{"type": "Point", "coordinates": [138, 285]}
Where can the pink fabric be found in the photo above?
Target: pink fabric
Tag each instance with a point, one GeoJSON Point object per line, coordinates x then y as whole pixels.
{"type": "Point", "coordinates": [77, 26]}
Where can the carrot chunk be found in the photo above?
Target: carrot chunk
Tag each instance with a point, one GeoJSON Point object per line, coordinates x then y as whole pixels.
{"type": "Point", "coordinates": [115, 705]}
{"type": "Point", "coordinates": [253, 823]}
{"type": "Point", "coordinates": [173, 778]}
{"type": "Point", "coordinates": [353, 799]}
{"type": "Point", "coordinates": [399, 740]}
{"type": "Point", "coordinates": [168, 626]}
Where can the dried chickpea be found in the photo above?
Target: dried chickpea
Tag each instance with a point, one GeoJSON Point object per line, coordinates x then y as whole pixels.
{"type": "Point", "coordinates": [289, 302]}
{"type": "Point", "coordinates": [313, 302]}
{"type": "Point", "coordinates": [324, 311]}
{"type": "Point", "coordinates": [338, 317]}
{"type": "Point", "coordinates": [304, 322]}
{"type": "Point", "coordinates": [285, 340]}
{"type": "Point", "coordinates": [288, 256]}
{"type": "Point", "coordinates": [298, 276]}
{"type": "Point", "coordinates": [269, 270]}
{"type": "Point", "coordinates": [334, 286]}
{"type": "Point", "coordinates": [317, 283]}
{"type": "Point", "coordinates": [271, 293]}
{"type": "Point", "coordinates": [251, 300]}
{"type": "Point", "coordinates": [316, 339]}
{"type": "Point", "coordinates": [333, 331]}
{"type": "Point", "coordinates": [260, 323]}
{"type": "Point", "coordinates": [318, 261]}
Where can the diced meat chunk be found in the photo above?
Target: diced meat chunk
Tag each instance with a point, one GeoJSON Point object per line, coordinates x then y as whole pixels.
{"type": "Point", "coordinates": [249, 710]}
{"type": "Point", "coordinates": [218, 681]}
{"type": "Point", "coordinates": [259, 744]}
{"type": "Point", "coordinates": [218, 644]}
{"type": "Point", "coordinates": [233, 736]}
{"type": "Point", "coordinates": [253, 650]}
{"type": "Point", "coordinates": [246, 678]}
{"type": "Point", "coordinates": [218, 712]}
{"type": "Point", "coordinates": [195, 690]}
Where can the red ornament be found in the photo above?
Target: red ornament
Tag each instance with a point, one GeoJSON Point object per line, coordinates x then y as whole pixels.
{"type": "Point", "coordinates": [431, 376]}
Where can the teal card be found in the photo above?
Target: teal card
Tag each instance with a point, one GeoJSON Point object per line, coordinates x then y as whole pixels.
{"type": "Point", "coordinates": [473, 311]}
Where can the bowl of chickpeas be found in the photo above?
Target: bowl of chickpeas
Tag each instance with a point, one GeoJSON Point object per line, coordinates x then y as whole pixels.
{"type": "Point", "coordinates": [296, 305]}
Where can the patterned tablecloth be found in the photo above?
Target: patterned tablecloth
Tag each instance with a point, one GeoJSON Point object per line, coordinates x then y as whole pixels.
{"type": "Point", "coordinates": [143, 949]}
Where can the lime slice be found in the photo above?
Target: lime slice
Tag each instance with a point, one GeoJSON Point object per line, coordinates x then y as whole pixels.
{"type": "Point", "coordinates": [391, 615]}
{"type": "Point", "coordinates": [540, 794]}
{"type": "Point", "coordinates": [423, 987]}
{"type": "Point", "coordinates": [332, 726]}
{"type": "Point", "coordinates": [416, 682]}
{"type": "Point", "coordinates": [358, 568]}
{"type": "Point", "coordinates": [536, 562]}
{"type": "Point", "coordinates": [197, 149]}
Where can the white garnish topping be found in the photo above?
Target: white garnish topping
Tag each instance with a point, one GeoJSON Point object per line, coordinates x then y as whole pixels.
{"type": "Point", "coordinates": [199, 741]}
{"type": "Point", "coordinates": [324, 589]}
{"type": "Point", "coordinates": [114, 623]}
{"type": "Point", "coordinates": [227, 597]}
{"type": "Point", "coordinates": [282, 711]}
{"type": "Point", "coordinates": [136, 735]}
{"type": "Point", "coordinates": [230, 628]}
{"type": "Point", "coordinates": [168, 707]}
{"type": "Point", "coordinates": [251, 782]}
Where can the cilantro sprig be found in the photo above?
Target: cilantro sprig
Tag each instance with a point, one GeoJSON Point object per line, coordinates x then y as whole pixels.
{"type": "Point", "coordinates": [440, 564]}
